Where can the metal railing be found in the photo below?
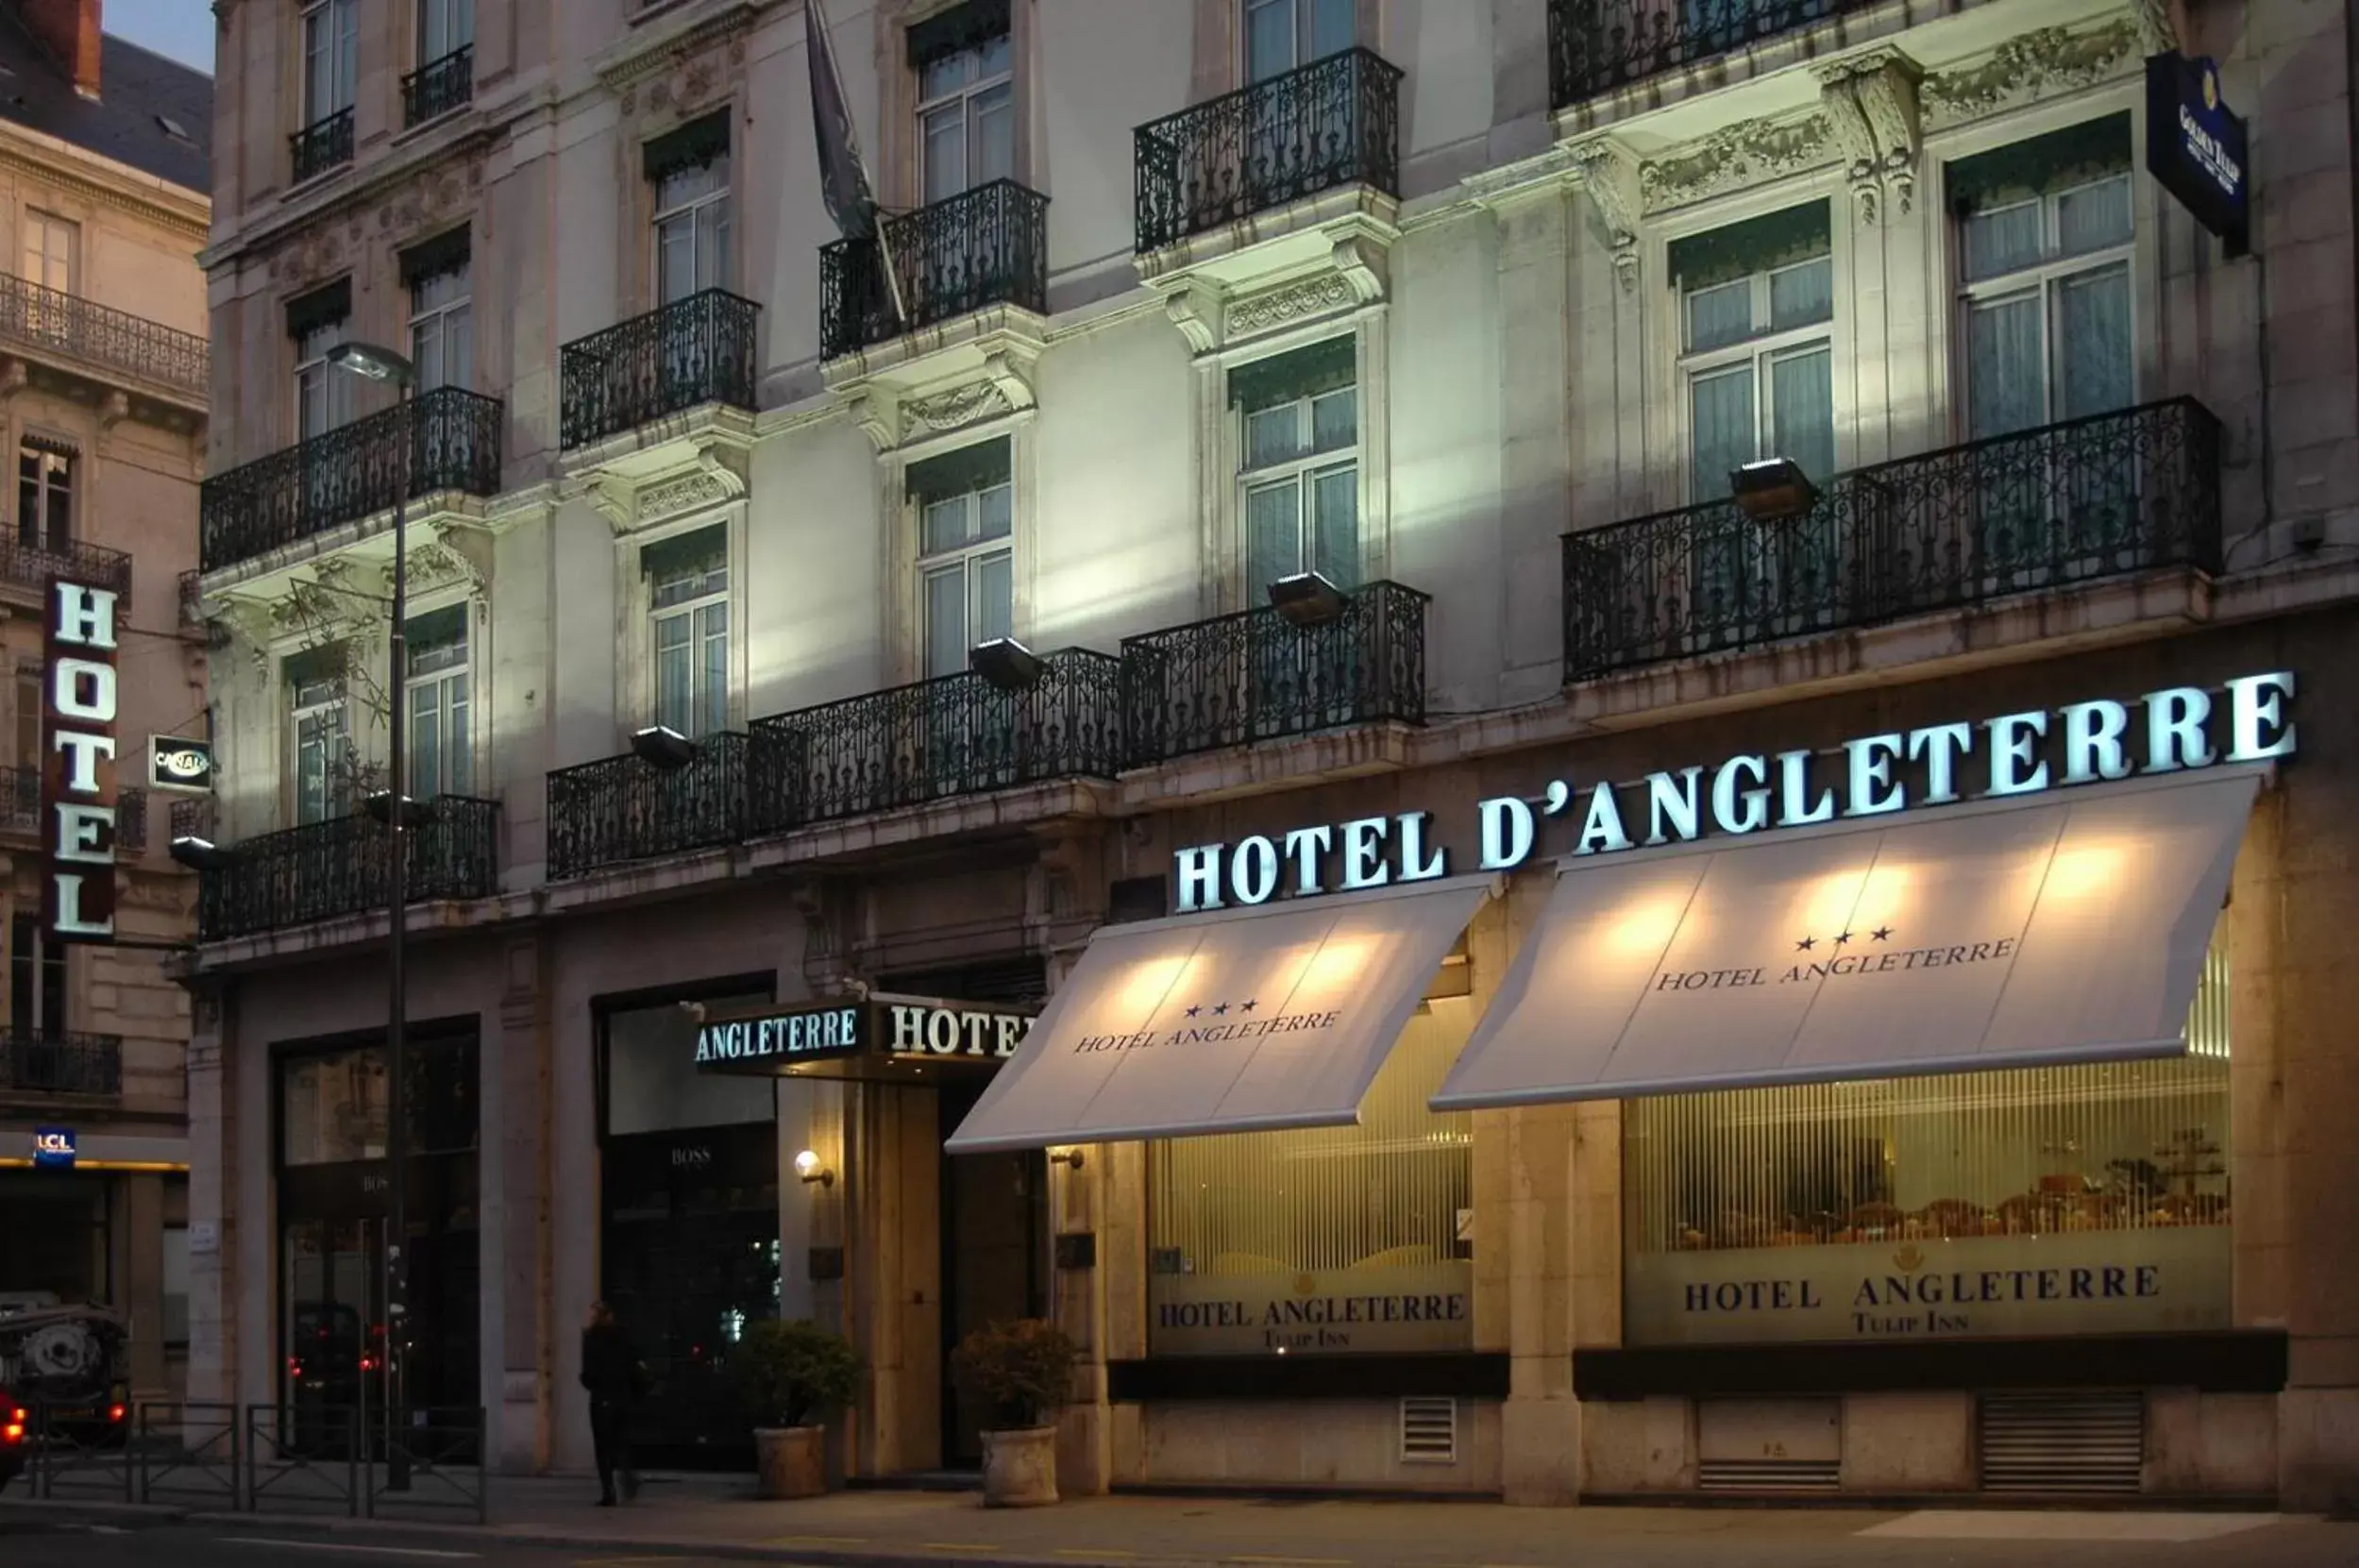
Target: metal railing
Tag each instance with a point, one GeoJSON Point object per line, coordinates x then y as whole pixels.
{"type": "Point", "coordinates": [322, 145]}
{"type": "Point", "coordinates": [188, 1454]}
{"type": "Point", "coordinates": [624, 808]}
{"type": "Point", "coordinates": [438, 87]}
{"type": "Point", "coordinates": [352, 471]}
{"type": "Point", "coordinates": [694, 351]}
{"type": "Point", "coordinates": [1597, 45]}
{"type": "Point", "coordinates": [2075, 502]}
{"type": "Point", "coordinates": [303, 1457]}
{"type": "Point", "coordinates": [130, 819]}
{"type": "Point", "coordinates": [68, 324]}
{"type": "Point", "coordinates": [77, 1452]}
{"type": "Point", "coordinates": [955, 734]}
{"type": "Point", "coordinates": [1255, 675]}
{"type": "Point", "coordinates": [28, 565]}
{"type": "Point", "coordinates": [441, 1454]}
{"type": "Point", "coordinates": [32, 1062]}
{"type": "Point", "coordinates": [338, 867]}
{"type": "Point", "coordinates": [986, 246]}
{"type": "Point", "coordinates": [1334, 122]}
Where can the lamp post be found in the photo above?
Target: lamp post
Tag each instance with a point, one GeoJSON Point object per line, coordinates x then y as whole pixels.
{"type": "Point", "coordinates": [374, 364]}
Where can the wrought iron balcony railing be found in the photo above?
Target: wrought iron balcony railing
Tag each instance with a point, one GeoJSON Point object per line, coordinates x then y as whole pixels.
{"type": "Point", "coordinates": [325, 870]}
{"type": "Point", "coordinates": [1255, 675]}
{"type": "Point", "coordinates": [2047, 508]}
{"type": "Point", "coordinates": [693, 351]}
{"type": "Point", "coordinates": [352, 471]}
{"type": "Point", "coordinates": [1334, 122]}
{"type": "Point", "coordinates": [32, 1062]}
{"type": "Point", "coordinates": [67, 324]}
{"type": "Point", "coordinates": [624, 808]}
{"type": "Point", "coordinates": [986, 246]}
{"type": "Point", "coordinates": [20, 807]}
{"type": "Point", "coordinates": [955, 734]}
{"type": "Point", "coordinates": [1597, 45]}
{"type": "Point", "coordinates": [438, 87]}
{"type": "Point", "coordinates": [130, 819]}
{"type": "Point", "coordinates": [28, 566]}
{"type": "Point", "coordinates": [322, 145]}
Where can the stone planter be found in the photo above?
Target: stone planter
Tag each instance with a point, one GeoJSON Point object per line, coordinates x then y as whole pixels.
{"type": "Point", "coordinates": [1019, 1468]}
{"type": "Point", "coordinates": [789, 1462]}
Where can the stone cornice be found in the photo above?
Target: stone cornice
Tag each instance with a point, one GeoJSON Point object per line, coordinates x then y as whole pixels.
{"type": "Point", "coordinates": [106, 182]}
{"type": "Point", "coordinates": [658, 50]}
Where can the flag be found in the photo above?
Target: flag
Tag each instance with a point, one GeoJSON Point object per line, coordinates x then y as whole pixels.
{"type": "Point", "coordinates": [843, 178]}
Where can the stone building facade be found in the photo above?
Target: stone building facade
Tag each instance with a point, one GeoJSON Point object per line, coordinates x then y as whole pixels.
{"type": "Point", "coordinates": [797, 620]}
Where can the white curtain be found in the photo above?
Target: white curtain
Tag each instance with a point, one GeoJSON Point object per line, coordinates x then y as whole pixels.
{"type": "Point", "coordinates": [1723, 426]}
{"type": "Point", "coordinates": [2092, 332]}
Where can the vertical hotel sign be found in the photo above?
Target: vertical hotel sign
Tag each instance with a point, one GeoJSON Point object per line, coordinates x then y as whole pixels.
{"type": "Point", "coordinates": [77, 764]}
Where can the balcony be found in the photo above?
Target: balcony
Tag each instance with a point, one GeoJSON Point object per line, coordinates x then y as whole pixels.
{"type": "Point", "coordinates": [351, 472]}
{"type": "Point", "coordinates": [694, 351]}
{"type": "Point", "coordinates": [21, 810]}
{"type": "Point", "coordinates": [1595, 46]}
{"type": "Point", "coordinates": [32, 1062]}
{"type": "Point", "coordinates": [956, 735]}
{"type": "Point", "coordinates": [986, 246]}
{"type": "Point", "coordinates": [27, 566]}
{"type": "Point", "coordinates": [436, 88]}
{"type": "Point", "coordinates": [2090, 499]}
{"type": "Point", "coordinates": [322, 145]}
{"type": "Point", "coordinates": [1335, 122]}
{"type": "Point", "coordinates": [624, 808]}
{"type": "Point", "coordinates": [54, 324]}
{"type": "Point", "coordinates": [325, 870]}
{"type": "Point", "coordinates": [1256, 676]}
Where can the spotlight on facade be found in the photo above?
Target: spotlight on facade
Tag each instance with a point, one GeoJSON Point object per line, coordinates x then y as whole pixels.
{"type": "Point", "coordinates": [807, 1166]}
{"type": "Point", "coordinates": [379, 806]}
{"type": "Point", "coordinates": [1307, 599]}
{"type": "Point", "coordinates": [661, 746]}
{"type": "Point", "coordinates": [1005, 663]}
{"type": "Point", "coordinates": [1772, 490]}
{"type": "Point", "coordinates": [369, 361]}
{"type": "Point", "coordinates": [198, 854]}
{"type": "Point", "coordinates": [1065, 1157]}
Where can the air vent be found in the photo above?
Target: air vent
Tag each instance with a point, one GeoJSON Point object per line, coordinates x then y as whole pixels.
{"type": "Point", "coordinates": [1429, 1431]}
{"type": "Point", "coordinates": [2062, 1442]}
{"type": "Point", "coordinates": [1769, 1474]}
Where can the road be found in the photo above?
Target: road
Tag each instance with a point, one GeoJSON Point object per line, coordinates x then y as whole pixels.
{"type": "Point", "coordinates": [28, 1544]}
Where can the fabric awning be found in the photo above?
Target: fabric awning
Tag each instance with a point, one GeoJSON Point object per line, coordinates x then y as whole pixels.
{"type": "Point", "coordinates": [2067, 928]}
{"type": "Point", "coordinates": [1242, 1020]}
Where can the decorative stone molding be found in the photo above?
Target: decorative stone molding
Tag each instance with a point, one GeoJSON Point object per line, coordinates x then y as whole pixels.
{"type": "Point", "coordinates": [710, 477]}
{"type": "Point", "coordinates": [690, 492]}
{"type": "Point", "coordinates": [1870, 106]}
{"type": "Point", "coordinates": [459, 553]}
{"type": "Point", "coordinates": [113, 411]}
{"type": "Point", "coordinates": [1738, 155]}
{"type": "Point", "coordinates": [1614, 180]}
{"type": "Point", "coordinates": [2029, 67]}
{"type": "Point", "coordinates": [1313, 296]}
{"type": "Point", "coordinates": [2156, 35]}
{"type": "Point", "coordinates": [948, 411]}
{"type": "Point", "coordinates": [1195, 309]}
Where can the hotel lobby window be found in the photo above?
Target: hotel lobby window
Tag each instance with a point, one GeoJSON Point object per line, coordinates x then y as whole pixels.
{"type": "Point", "coordinates": [2092, 1198]}
{"type": "Point", "coordinates": [1325, 1241]}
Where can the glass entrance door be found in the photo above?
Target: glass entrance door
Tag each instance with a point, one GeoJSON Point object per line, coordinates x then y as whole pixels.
{"type": "Point", "coordinates": [994, 1225]}
{"type": "Point", "coordinates": [333, 1329]}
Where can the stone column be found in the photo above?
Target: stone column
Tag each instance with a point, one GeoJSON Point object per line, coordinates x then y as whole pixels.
{"type": "Point", "coordinates": [137, 1217]}
{"type": "Point", "coordinates": [214, 1276]}
{"type": "Point", "coordinates": [1536, 501]}
{"type": "Point", "coordinates": [520, 1356]}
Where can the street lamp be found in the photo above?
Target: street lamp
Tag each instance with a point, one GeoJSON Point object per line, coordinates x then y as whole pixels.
{"type": "Point", "coordinates": [371, 363]}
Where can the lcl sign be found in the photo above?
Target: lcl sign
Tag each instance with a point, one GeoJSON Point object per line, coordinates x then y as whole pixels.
{"type": "Point", "coordinates": [77, 765]}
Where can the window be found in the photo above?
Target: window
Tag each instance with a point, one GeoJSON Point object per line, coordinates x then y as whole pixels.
{"type": "Point", "coordinates": [175, 1288]}
{"type": "Point", "coordinates": [44, 496]}
{"type": "Point", "coordinates": [966, 559]}
{"type": "Point", "coordinates": [319, 736]}
{"type": "Point", "coordinates": [1283, 35]}
{"type": "Point", "coordinates": [444, 27]}
{"type": "Point", "coordinates": [28, 704]}
{"type": "Point", "coordinates": [441, 759]}
{"type": "Point", "coordinates": [333, 1104]}
{"type": "Point", "coordinates": [2044, 241]}
{"type": "Point", "coordinates": [37, 982]}
{"type": "Point", "coordinates": [317, 322]}
{"type": "Point", "coordinates": [1301, 468]}
{"type": "Point", "coordinates": [52, 249]}
{"type": "Point", "coordinates": [1756, 300]}
{"type": "Point", "coordinates": [332, 58]}
{"type": "Point", "coordinates": [1285, 1225]}
{"type": "Point", "coordinates": [688, 585]}
{"type": "Point", "coordinates": [967, 118]}
{"type": "Point", "coordinates": [689, 171]}
{"type": "Point", "coordinates": [442, 317]}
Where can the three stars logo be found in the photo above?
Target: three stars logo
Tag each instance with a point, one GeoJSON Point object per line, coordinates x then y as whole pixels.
{"type": "Point", "coordinates": [1807, 944]}
{"type": "Point", "coordinates": [1220, 1009]}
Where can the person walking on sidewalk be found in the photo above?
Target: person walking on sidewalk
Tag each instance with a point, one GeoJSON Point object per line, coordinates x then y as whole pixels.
{"type": "Point", "coordinates": [612, 1373]}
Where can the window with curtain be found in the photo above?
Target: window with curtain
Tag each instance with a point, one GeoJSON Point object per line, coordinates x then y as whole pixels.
{"type": "Point", "coordinates": [53, 247]}
{"type": "Point", "coordinates": [441, 757]}
{"type": "Point", "coordinates": [1300, 473]}
{"type": "Point", "coordinates": [442, 317]}
{"type": "Point", "coordinates": [444, 27]}
{"type": "Point", "coordinates": [332, 58]}
{"type": "Point", "coordinates": [967, 117]}
{"type": "Point", "coordinates": [688, 596]}
{"type": "Point", "coordinates": [317, 322]}
{"type": "Point", "coordinates": [1756, 301]}
{"type": "Point", "coordinates": [319, 738]}
{"type": "Point", "coordinates": [1284, 35]}
{"type": "Point", "coordinates": [36, 981]}
{"type": "Point", "coordinates": [44, 496]}
{"type": "Point", "coordinates": [966, 504]}
{"type": "Point", "coordinates": [689, 170]}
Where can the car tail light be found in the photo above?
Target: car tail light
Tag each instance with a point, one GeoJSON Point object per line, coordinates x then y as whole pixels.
{"type": "Point", "coordinates": [12, 1431]}
{"type": "Point", "coordinates": [116, 1412]}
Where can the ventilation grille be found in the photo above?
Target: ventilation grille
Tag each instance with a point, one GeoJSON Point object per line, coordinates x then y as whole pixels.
{"type": "Point", "coordinates": [1429, 1431]}
{"type": "Point", "coordinates": [2062, 1442]}
{"type": "Point", "coordinates": [1769, 1474]}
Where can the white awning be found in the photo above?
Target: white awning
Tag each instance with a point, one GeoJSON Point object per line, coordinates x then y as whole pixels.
{"type": "Point", "coordinates": [1276, 1015]}
{"type": "Point", "coordinates": [2067, 928]}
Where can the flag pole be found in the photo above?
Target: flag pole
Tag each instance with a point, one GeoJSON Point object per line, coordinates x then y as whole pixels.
{"type": "Point", "coordinates": [823, 47]}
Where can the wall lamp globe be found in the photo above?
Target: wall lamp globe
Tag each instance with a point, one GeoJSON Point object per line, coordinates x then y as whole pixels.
{"type": "Point", "coordinates": [198, 854]}
{"type": "Point", "coordinates": [1772, 490]}
{"type": "Point", "coordinates": [371, 362]}
{"type": "Point", "coordinates": [1307, 599]}
{"type": "Point", "coordinates": [661, 746]}
{"type": "Point", "coordinates": [807, 1166]}
{"type": "Point", "coordinates": [1006, 664]}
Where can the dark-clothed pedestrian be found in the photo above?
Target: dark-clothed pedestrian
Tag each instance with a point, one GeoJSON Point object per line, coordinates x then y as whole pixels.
{"type": "Point", "coordinates": [612, 1373]}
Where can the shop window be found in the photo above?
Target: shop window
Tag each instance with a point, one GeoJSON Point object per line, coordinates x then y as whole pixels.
{"type": "Point", "coordinates": [331, 1105]}
{"type": "Point", "coordinates": [649, 1086]}
{"type": "Point", "coordinates": [1327, 1240]}
{"type": "Point", "coordinates": [2085, 1199]}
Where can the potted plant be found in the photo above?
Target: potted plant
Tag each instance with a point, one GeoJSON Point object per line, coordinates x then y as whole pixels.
{"type": "Point", "coordinates": [791, 1375]}
{"type": "Point", "coordinates": [1023, 1374]}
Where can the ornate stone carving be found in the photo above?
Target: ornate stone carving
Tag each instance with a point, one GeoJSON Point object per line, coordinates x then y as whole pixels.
{"type": "Point", "coordinates": [2155, 33]}
{"type": "Point", "coordinates": [877, 411]}
{"type": "Point", "coordinates": [1312, 296]}
{"type": "Point", "coordinates": [1613, 181]}
{"type": "Point", "coordinates": [2029, 67]}
{"type": "Point", "coordinates": [1736, 155]}
{"type": "Point", "coordinates": [690, 492]}
{"type": "Point", "coordinates": [1195, 309]}
{"type": "Point", "coordinates": [948, 411]}
{"type": "Point", "coordinates": [1870, 104]}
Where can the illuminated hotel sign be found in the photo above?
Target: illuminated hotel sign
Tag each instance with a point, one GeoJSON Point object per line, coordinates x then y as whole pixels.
{"type": "Point", "coordinates": [909, 1031]}
{"type": "Point", "coordinates": [77, 765]}
{"type": "Point", "coordinates": [2021, 753]}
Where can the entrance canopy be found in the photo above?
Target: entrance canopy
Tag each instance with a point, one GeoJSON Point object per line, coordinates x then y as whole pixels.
{"type": "Point", "coordinates": [1274, 1016]}
{"type": "Point", "coordinates": [2067, 928]}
